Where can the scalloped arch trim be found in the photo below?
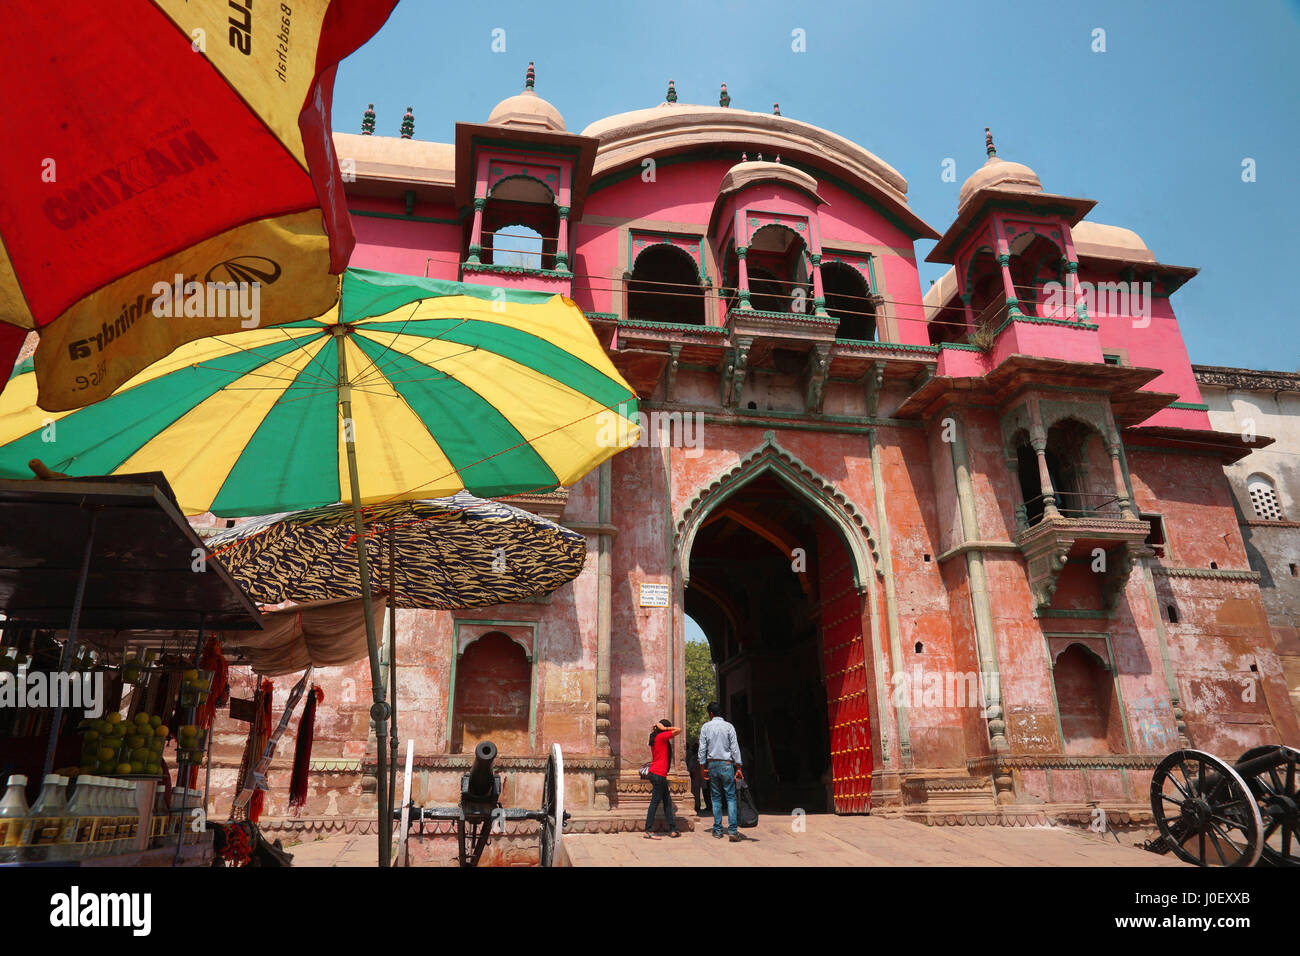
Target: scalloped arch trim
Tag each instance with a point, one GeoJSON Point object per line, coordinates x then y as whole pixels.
{"type": "Point", "coordinates": [805, 484]}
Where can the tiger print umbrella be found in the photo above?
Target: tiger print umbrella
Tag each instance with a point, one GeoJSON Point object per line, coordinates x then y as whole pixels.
{"type": "Point", "coordinates": [453, 552]}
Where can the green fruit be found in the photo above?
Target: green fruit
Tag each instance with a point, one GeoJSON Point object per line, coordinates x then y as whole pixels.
{"type": "Point", "coordinates": [162, 732]}
{"type": "Point", "coordinates": [114, 718]}
{"type": "Point", "coordinates": [92, 736]}
{"type": "Point", "coordinates": [123, 768]}
{"type": "Point", "coordinates": [135, 740]}
{"type": "Point", "coordinates": [156, 744]}
{"type": "Point", "coordinates": [101, 726]}
{"type": "Point", "coordinates": [137, 766]}
{"type": "Point", "coordinates": [140, 754]}
{"type": "Point", "coordinates": [105, 766]}
{"type": "Point", "coordinates": [141, 718]}
{"type": "Point", "coordinates": [153, 769]}
{"type": "Point", "coordinates": [155, 721]}
{"type": "Point", "coordinates": [107, 753]}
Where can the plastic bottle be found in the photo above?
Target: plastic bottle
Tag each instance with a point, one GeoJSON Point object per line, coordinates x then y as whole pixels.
{"type": "Point", "coordinates": [13, 818]}
{"type": "Point", "coordinates": [105, 826]}
{"type": "Point", "coordinates": [45, 821]}
{"type": "Point", "coordinates": [131, 800]}
{"type": "Point", "coordinates": [77, 826]}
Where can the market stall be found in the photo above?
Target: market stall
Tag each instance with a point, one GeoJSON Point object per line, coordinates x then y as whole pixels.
{"type": "Point", "coordinates": [110, 602]}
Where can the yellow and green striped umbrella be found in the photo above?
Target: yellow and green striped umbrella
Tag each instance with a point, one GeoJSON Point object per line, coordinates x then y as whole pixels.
{"type": "Point", "coordinates": [453, 387]}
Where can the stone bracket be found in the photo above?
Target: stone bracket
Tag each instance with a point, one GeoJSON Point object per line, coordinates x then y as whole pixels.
{"type": "Point", "coordinates": [815, 377]}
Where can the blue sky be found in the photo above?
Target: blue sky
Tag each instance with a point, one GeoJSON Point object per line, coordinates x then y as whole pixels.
{"type": "Point", "coordinates": [1155, 128]}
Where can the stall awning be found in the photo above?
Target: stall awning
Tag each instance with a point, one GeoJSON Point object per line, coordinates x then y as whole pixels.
{"type": "Point", "coordinates": [142, 567]}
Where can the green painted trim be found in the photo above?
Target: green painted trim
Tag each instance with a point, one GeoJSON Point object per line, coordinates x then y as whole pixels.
{"type": "Point", "coordinates": [516, 270]}
{"type": "Point", "coordinates": [958, 346]}
{"type": "Point", "coordinates": [803, 318]}
{"type": "Point", "coordinates": [611, 316]}
{"type": "Point", "coordinates": [1033, 320]}
{"type": "Point", "coordinates": [403, 217]}
{"type": "Point", "coordinates": [1189, 406]}
{"type": "Point", "coordinates": [670, 326]}
{"type": "Point", "coordinates": [698, 240]}
{"type": "Point", "coordinates": [888, 346]}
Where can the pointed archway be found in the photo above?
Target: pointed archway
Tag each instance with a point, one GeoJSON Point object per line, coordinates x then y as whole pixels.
{"type": "Point", "coordinates": [778, 569]}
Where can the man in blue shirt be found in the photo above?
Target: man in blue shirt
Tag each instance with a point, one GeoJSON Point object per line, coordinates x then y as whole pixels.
{"type": "Point", "coordinates": [721, 762]}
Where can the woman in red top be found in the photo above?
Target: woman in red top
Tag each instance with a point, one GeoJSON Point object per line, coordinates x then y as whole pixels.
{"type": "Point", "coordinates": [661, 758]}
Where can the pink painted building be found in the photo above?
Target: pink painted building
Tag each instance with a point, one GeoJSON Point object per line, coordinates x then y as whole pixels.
{"type": "Point", "coordinates": [968, 555]}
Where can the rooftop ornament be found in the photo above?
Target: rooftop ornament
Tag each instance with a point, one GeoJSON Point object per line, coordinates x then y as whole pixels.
{"type": "Point", "coordinates": [724, 98]}
{"type": "Point", "coordinates": [672, 93]}
{"type": "Point", "coordinates": [368, 121]}
{"type": "Point", "coordinates": [530, 77]}
{"type": "Point", "coordinates": [988, 142]}
{"type": "Point", "coordinates": [408, 124]}
{"type": "Point", "coordinates": [776, 109]}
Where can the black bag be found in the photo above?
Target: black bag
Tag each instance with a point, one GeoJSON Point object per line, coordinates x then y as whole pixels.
{"type": "Point", "coordinates": [745, 809]}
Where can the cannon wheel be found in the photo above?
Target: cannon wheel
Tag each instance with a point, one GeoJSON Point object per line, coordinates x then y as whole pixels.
{"type": "Point", "coordinates": [552, 825]}
{"type": "Point", "coordinates": [1205, 811]}
{"type": "Point", "coordinates": [1279, 804]}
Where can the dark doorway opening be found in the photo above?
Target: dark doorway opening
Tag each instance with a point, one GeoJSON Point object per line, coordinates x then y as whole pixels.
{"type": "Point", "coordinates": [771, 586]}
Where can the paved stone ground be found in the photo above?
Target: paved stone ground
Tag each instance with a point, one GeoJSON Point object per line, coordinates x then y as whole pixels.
{"type": "Point", "coordinates": [827, 841]}
{"type": "Point", "coordinates": [862, 841]}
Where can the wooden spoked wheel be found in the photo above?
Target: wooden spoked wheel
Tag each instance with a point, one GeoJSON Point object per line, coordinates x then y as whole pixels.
{"type": "Point", "coordinates": [552, 823]}
{"type": "Point", "coordinates": [1206, 812]}
{"type": "Point", "coordinates": [1274, 786]}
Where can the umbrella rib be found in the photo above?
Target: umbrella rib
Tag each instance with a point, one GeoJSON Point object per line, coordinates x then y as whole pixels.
{"type": "Point", "coordinates": [427, 340]}
{"type": "Point", "coordinates": [289, 368]}
{"type": "Point", "coordinates": [360, 376]}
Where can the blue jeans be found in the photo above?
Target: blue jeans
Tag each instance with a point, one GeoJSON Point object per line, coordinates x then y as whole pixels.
{"type": "Point", "coordinates": [722, 780]}
{"type": "Point", "coordinates": [659, 794]}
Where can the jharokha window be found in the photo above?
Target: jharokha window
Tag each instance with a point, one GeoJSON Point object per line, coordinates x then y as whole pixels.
{"type": "Point", "coordinates": [520, 224]}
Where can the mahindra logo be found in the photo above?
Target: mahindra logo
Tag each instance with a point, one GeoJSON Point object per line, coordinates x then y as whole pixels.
{"type": "Point", "coordinates": [245, 269]}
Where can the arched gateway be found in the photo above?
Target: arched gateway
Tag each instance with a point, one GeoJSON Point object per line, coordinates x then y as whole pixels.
{"type": "Point", "coordinates": [778, 572]}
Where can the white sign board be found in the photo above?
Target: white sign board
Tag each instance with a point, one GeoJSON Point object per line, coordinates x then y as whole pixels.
{"type": "Point", "coordinates": [654, 595]}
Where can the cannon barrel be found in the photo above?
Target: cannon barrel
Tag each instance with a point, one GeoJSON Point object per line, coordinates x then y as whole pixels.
{"type": "Point", "coordinates": [480, 785]}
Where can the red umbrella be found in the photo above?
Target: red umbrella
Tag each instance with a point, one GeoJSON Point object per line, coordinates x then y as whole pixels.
{"type": "Point", "coordinates": [168, 174]}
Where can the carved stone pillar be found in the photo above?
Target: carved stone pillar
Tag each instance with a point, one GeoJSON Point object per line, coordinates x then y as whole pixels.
{"type": "Point", "coordinates": [1013, 303]}
{"type": "Point", "coordinates": [819, 293]}
{"type": "Point", "coordinates": [1121, 489]}
{"type": "Point", "coordinates": [1072, 285]}
{"type": "Point", "coordinates": [476, 231]}
{"type": "Point", "coordinates": [1039, 442]}
{"type": "Point", "coordinates": [743, 279]}
{"type": "Point", "coordinates": [562, 242]}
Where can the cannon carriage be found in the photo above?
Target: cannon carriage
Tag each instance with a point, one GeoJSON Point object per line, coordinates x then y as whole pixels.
{"type": "Point", "coordinates": [479, 813]}
{"type": "Point", "coordinates": [1212, 813]}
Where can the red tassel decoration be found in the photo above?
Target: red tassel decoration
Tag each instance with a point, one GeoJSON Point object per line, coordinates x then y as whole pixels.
{"type": "Point", "coordinates": [302, 750]}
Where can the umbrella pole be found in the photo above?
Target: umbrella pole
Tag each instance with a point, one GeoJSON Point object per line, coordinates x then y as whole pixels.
{"type": "Point", "coordinates": [378, 710]}
{"type": "Point", "coordinates": [392, 673]}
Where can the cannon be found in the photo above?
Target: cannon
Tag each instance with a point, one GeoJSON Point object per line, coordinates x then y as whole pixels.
{"type": "Point", "coordinates": [1214, 814]}
{"type": "Point", "coordinates": [479, 812]}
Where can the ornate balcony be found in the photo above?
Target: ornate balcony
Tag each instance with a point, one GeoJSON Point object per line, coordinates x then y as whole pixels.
{"type": "Point", "coordinates": [1085, 524]}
